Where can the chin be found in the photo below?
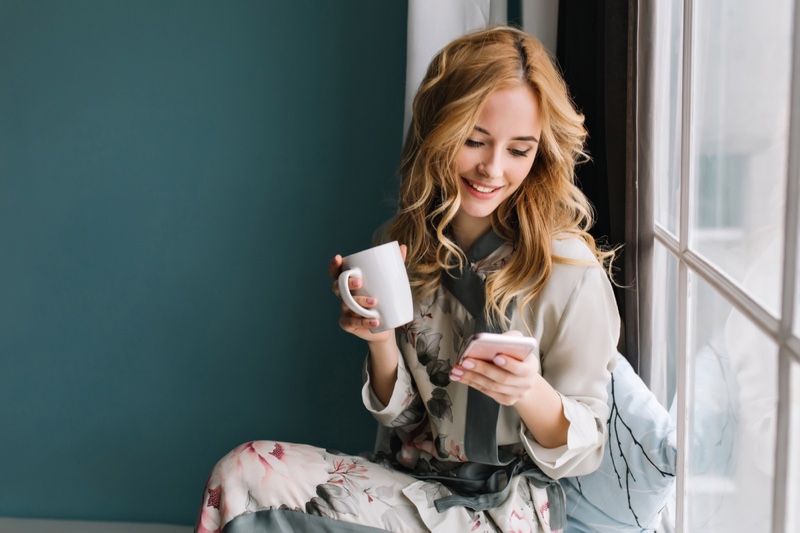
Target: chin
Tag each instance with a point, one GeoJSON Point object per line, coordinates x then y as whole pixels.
{"type": "Point", "coordinates": [478, 212]}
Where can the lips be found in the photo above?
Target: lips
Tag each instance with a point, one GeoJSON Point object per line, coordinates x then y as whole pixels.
{"type": "Point", "coordinates": [482, 190]}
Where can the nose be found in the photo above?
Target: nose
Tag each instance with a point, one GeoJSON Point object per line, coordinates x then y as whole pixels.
{"type": "Point", "coordinates": [491, 166]}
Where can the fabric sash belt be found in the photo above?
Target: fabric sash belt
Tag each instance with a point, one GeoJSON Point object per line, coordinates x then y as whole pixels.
{"type": "Point", "coordinates": [481, 487]}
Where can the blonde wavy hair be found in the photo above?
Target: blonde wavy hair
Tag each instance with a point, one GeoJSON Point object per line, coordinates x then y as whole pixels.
{"type": "Point", "coordinates": [547, 204]}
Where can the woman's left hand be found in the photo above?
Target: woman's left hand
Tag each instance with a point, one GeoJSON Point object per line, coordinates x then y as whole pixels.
{"type": "Point", "coordinates": [506, 380]}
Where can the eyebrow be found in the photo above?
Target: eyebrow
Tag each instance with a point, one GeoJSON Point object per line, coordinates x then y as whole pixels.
{"type": "Point", "coordinates": [528, 138]}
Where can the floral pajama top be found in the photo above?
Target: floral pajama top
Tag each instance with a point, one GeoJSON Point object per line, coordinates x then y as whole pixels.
{"type": "Point", "coordinates": [576, 321]}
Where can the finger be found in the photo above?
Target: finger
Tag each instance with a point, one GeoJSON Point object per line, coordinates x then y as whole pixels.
{"type": "Point", "coordinates": [513, 365]}
{"type": "Point", "coordinates": [490, 375]}
{"type": "Point", "coordinates": [403, 251]}
{"type": "Point", "coordinates": [366, 301]}
{"type": "Point", "coordinates": [501, 392]}
{"type": "Point", "coordinates": [362, 301]}
{"type": "Point", "coordinates": [354, 283]}
{"type": "Point", "coordinates": [352, 323]}
{"type": "Point", "coordinates": [335, 266]}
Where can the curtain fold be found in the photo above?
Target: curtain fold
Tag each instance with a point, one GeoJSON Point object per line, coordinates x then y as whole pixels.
{"type": "Point", "coordinates": [640, 197]}
{"type": "Point", "coordinates": [434, 23]}
{"type": "Point", "coordinates": [598, 52]}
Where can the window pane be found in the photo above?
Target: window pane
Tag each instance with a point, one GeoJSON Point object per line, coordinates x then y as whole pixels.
{"type": "Point", "coordinates": [731, 461]}
{"type": "Point", "coordinates": [793, 485]}
{"type": "Point", "coordinates": [659, 371]}
{"type": "Point", "coordinates": [667, 113]}
{"type": "Point", "coordinates": [741, 110]}
{"type": "Point", "coordinates": [797, 292]}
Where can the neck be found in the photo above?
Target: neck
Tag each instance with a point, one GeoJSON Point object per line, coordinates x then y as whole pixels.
{"type": "Point", "coordinates": [467, 229]}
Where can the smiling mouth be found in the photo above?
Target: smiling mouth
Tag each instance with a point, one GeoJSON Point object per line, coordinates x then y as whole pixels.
{"type": "Point", "coordinates": [480, 188]}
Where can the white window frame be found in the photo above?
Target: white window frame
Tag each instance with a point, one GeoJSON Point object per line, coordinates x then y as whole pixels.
{"type": "Point", "coordinates": [779, 330]}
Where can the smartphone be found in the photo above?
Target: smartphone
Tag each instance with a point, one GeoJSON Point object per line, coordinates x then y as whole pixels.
{"type": "Point", "coordinates": [486, 346]}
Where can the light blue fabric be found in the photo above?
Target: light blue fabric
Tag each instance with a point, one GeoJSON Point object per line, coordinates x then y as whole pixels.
{"type": "Point", "coordinates": [634, 482]}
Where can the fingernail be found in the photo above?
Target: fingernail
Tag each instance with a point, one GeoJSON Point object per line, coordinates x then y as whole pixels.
{"type": "Point", "coordinates": [454, 377]}
{"type": "Point", "coordinates": [469, 365]}
{"type": "Point", "coordinates": [370, 300]}
{"type": "Point", "coordinates": [373, 323]}
{"type": "Point", "coordinates": [500, 361]}
{"type": "Point", "coordinates": [456, 372]}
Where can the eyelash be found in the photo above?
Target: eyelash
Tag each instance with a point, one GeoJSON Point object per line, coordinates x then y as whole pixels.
{"type": "Point", "coordinates": [515, 153]}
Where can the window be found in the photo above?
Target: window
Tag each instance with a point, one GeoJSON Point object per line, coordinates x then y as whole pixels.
{"type": "Point", "coordinates": [726, 355]}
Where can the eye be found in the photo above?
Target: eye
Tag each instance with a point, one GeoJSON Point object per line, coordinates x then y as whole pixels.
{"type": "Point", "coordinates": [473, 144]}
{"type": "Point", "coordinates": [520, 153]}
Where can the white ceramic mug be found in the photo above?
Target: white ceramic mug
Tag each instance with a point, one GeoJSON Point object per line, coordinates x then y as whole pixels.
{"type": "Point", "coordinates": [383, 276]}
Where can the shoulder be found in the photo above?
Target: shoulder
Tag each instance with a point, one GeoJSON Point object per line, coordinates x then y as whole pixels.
{"type": "Point", "coordinates": [573, 249]}
{"type": "Point", "coordinates": [575, 269]}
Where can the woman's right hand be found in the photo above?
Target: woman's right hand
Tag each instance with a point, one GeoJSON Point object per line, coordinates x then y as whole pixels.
{"type": "Point", "coordinates": [353, 322]}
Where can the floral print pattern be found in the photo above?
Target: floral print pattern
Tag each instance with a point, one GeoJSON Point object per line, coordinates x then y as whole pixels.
{"type": "Point", "coordinates": [423, 425]}
{"type": "Point", "coordinates": [274, 476]}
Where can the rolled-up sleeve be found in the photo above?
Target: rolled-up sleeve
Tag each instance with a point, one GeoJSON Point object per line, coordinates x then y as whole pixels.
{"type": "Point", "coordinates": [402, 408]}
{"type": "Point", "coordinates": [578, 364]}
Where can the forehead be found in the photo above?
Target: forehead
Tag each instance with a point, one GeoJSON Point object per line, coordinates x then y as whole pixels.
{"type": "Point", "coordinates": [511, 111]}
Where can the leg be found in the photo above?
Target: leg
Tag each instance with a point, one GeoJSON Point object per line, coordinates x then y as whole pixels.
{"type": "Point", "coordinates": [266, 475]}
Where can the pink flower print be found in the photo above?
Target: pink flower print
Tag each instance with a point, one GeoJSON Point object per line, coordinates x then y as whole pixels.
{"type": "Point", "coordinates": [517, 523]}
{"type": "Point", "coordinates": [265, 472]}
{"type": "Point", "coordinates": [344, 472]}
{"type": "Point", "coordinates": [544, 512]}
{"type": "Point", "coordinates": [455, 451]}
{"type": "Point", "coordinates": [545, 507]}
{"type": "Point", "coordinates": [278, 451]}
{"type": "Point", "coordinates": [213, 497]}
{"type": "Point", "coordinates": [476, 523]}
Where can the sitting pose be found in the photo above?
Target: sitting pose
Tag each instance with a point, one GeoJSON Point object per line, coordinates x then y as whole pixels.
{"type": "Point", "coordinates": [495, 237]}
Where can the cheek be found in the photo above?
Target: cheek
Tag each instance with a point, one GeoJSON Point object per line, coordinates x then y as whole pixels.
{"type": "Point", "coordinates": [521, 172]}
{"type": "Point", "coordinates": [463, 162]}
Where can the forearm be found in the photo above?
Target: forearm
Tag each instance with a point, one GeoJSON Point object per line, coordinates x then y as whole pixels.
{"type": "Point", "coordinates": [542, 412]}
{"type": "Point", "coordinates": [383, 368]}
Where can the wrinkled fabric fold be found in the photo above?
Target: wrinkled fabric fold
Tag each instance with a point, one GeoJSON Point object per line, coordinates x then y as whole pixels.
{"type": "Point", "coordinates": [481, 487]}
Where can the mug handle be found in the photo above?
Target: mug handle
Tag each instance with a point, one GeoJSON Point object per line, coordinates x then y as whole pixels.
{"type": "Point", "coordinates": [344, 290]}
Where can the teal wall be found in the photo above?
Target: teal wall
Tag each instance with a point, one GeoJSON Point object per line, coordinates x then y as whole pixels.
{"type": "Point", "coordinates": [174, 178]}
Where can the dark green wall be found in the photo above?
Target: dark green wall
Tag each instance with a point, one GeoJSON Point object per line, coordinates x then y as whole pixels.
{"type": "Point", "coordinates": [174, 178]}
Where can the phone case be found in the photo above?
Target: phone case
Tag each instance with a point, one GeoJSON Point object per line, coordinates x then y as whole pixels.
{"type": "Point", "coordinates": [486, 346]}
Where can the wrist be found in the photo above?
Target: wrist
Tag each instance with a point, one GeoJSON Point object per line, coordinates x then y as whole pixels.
{"type": "Point", "coordinates": [381, 346]}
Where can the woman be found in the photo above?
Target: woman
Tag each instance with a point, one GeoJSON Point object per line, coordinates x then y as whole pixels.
{"type": "Point", "coordinates": [496, 240]}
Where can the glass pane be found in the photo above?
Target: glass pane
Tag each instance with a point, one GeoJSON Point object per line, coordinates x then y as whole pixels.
{"type": "Point", "coordinates": [740, 114]}
{"type": "Point", "coordinates": [797, 292]}
{"type": "Point", "coordinates": [793, 485]}
{"type": "Point", "coordinates": [667, 113]}
{"type": "Point", "coordinates": [732, 435]}
{"type": "Point", "coordinates": [660, 371]}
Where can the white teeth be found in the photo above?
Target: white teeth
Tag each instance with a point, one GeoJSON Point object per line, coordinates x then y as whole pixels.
{"type": "Point", "coordinates": [481, 189]}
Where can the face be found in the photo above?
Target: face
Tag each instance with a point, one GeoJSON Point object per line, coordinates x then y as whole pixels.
{"type": "Point", "coordinates": [497, 156]}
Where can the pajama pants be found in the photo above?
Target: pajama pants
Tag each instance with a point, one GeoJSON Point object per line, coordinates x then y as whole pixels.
{"type": "Point", "coordinates": [275, 486]}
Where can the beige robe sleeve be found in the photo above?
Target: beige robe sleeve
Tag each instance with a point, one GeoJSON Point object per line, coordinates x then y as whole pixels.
{"type": "Point", "coordinates": [580, 354]}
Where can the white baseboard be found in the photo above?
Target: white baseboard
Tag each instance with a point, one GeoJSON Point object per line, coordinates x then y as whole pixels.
{"type": "Point", "coordinates": [30, 525]}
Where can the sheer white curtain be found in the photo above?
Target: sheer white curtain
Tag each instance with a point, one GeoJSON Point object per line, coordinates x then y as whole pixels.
{"type": "Point", "coordinates": [434, 23]}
